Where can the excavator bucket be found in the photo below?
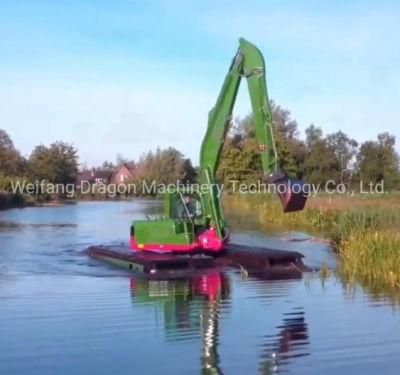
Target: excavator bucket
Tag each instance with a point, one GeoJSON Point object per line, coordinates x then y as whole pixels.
{"type": "Point", "coordinates": [291, 192]}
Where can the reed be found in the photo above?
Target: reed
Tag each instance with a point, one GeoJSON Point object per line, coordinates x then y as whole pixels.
{"type": "Point", "coordinates": [371, 258]}
{"type": "Point", "coordinates": [268, 212]}
{"type": "Point", "coordinates": [363, 231]}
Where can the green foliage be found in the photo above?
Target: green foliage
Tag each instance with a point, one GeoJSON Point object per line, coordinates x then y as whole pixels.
{"type": "Point", "coordinates": [240, 162]}
{"type": "Point", "coordinates": [107, 166]}
{"type": "Point", "coordinates": [372, 259]}
{"type": "Point", "coordinates": [291, 150]}
{"type": "Point", "coordinates": [343, 147]}
{"type": "Point", "coordinates": [378, 160]}
{"type": "Point", "coordinates": [365, 238]}
{"type": "Point", "coordinates": [7, 183]}
{"type": "Point", "coordinates": [241, 159]}
{"type": "Point", "coordinates": [11, 200]}
{"type": "Point", "coordinates": [11, 161]}
{"type": "Point", "coordinates": [321, 164]}
{"type": "Point", "coordinates": [165, 167]}
{"type": "Point", "coordinates": [57, 163]}
{"type": "Point", "coordinates": [317, 160]}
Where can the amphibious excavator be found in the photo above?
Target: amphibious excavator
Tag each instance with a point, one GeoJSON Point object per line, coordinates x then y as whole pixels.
{"type": "Point", "coordinates": [193, 221]}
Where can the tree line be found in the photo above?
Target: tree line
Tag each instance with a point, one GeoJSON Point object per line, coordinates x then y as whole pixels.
{"type": "Point", "coordinates": [56, 164]}
{"type": "Point", "coordinates": [316, 159]}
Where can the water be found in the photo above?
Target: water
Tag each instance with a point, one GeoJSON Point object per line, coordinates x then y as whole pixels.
{"type": "Point", "coordinates": [63, 313]}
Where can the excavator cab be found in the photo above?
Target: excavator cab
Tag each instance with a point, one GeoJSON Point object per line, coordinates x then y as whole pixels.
{"type": "Point", "coordinates": [183, 206]}
{"type": "Point", "coordinates": [291, 192]}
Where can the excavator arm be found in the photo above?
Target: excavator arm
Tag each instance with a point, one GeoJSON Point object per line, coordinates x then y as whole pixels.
{"type": "Point", "coordinates": [248, 63]}
{"type": "Point", "coordinates": [210, 231]}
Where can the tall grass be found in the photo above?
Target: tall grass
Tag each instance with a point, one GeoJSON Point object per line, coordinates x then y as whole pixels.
{"type": "Point", "coordinates": [371, 258]}
{"type": "Point", "coordinates": [268, 212]}
{"type": "Point", "coordinates": [364, 232]}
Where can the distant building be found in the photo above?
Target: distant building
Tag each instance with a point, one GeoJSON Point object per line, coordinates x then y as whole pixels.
{"type": "Point", "coordinates": [93, 176]}
{"type": "Point", "coordinates": [123, 174]}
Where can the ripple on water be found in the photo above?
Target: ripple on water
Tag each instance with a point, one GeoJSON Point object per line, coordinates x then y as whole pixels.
{"type": "Point", "coordinates": [64, 313]}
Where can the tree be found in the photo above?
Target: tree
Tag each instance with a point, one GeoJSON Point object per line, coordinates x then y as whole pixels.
{"type": "Point", "coordinates": [378, 161]}
{"type": "Point", "coordinates": [163, 167]}
{"type": "Point", "coordinates": [241, 159]}
{"type": "Point", "coordinates": [344, 149]}
{"type": "Point", "coordinates": [283, 121]}
{"type": "Point", "coordinates": [108, 166]}
{"type": "Point", "coordinates": [239, 162]}
{"type": "Point", "coordinates": [56, 164]}
{"type": "Point", "coordinates": [291, 150]}
{"type": "Point", "coordinates": [189, 172]}
{"type": "Point", "coordinates": [11, 162]}
{"type": "Point", "coordinates": [321, 164]}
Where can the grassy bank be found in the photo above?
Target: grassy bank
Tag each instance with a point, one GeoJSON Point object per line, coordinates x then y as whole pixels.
{"type": "Point", "coordinates": [363, 230]}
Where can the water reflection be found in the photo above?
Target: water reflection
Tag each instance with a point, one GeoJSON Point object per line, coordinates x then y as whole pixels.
{"type": "Point", "coordinates": [290, 342]}
{"type": "Point", "coordinates": [63, 313]}
{"type": "Point", "coordinates": [193, 308]}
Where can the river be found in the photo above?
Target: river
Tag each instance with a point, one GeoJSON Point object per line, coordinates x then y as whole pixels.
{"type": "Point", "coordinates": [63, 313]}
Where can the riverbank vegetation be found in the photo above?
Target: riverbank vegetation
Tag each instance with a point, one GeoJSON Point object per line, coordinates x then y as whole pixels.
{"type": "Point", "coordinates": [56, 164]}
{"type": "Point", "coordinates": [319, 159]}
{"type": "Point", "coordinates": [363, 230]}
{"type": "Point", "coordinates": [324, 160]}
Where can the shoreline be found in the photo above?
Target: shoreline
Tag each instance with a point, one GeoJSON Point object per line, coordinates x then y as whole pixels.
{"type": "Point", "coordinates": [9, 201]}
{"type": "Point", "coordinates": [12, 201]}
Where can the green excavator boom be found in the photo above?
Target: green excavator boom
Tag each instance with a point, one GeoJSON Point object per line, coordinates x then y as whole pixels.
{"type": "Point", "coordinates": [209, 230]}
{"type": "Point", "coordinates": [248, 63]}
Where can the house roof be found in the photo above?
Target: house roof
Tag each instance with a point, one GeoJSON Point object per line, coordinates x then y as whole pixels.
{"type": "Point", "coordinates": [130, 168]}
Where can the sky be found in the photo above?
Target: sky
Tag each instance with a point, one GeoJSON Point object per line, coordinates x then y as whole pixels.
{"type": "Point", "coordinates": [124, 77]}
